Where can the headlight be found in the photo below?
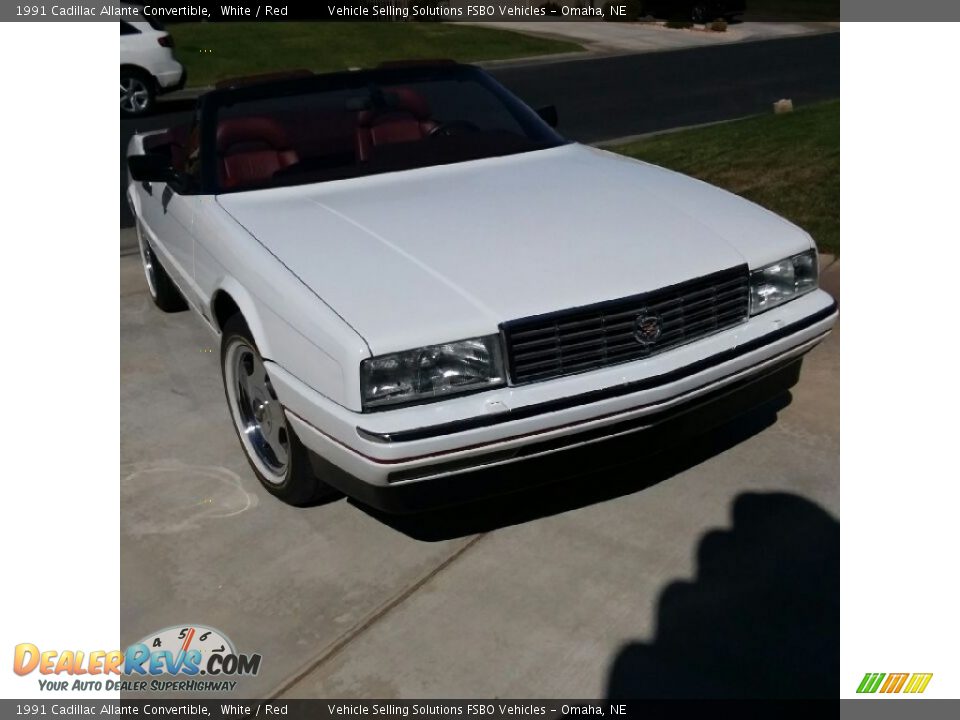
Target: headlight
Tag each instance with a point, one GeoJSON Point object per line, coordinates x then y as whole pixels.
{"type": "Point", "coordinates": [782, 281]}
{"type": "Point", "coordinates": [432, 372]}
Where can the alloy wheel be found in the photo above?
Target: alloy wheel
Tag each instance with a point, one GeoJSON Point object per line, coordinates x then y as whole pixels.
{"type": "Point", "coordinates": [256, 411]}
{"type": "Point", "coordinates": [134, 95]}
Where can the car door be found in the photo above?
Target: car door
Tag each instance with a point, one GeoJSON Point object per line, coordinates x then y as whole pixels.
{"type": "Point", "coordinates": [170, 216]}
{"type": "Point", "coordinates": [178, 213]}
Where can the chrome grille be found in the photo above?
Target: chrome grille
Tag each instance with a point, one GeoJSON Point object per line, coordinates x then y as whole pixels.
{"type": "Point", "coordinates": [586, 338]}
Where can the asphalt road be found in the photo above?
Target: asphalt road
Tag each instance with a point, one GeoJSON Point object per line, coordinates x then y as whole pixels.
{"type": "Point", "coordinates": [610, 97]}
{"type": "Point", "coordinates": [613, 97]}
{"type": "Point", "coordinates": [703, 571]}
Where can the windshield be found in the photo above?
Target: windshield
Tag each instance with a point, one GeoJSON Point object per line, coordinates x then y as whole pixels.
{"type": "Point", "coordinates": [365, 123]}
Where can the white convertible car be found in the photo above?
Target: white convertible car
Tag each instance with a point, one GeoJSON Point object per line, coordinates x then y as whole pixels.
{"type": "Point", "coordinates": [414, 278]}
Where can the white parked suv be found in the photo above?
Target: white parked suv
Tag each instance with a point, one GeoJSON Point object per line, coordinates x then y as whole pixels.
{"type": "Point", "coordinates": [147, 66]}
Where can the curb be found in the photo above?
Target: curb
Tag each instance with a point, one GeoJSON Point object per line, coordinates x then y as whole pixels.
{"type": "Point", "coordinates": [190, 93]}
{"type": "Point", "coordinates": [604, 144]}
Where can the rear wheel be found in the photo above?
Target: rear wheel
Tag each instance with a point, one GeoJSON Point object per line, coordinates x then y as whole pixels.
{"type": "Point", "coordinates": [137, 92]}
{"type": "Point", "coordinates": [163, 292]}
{"type": "Point", "coordinates": [278, 458]}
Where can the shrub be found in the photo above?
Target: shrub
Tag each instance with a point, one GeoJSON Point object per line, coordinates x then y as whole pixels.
{"type": "Point", "coordinates": [718, 26]}
{"type": "Point", "coordinates": [678, 24]}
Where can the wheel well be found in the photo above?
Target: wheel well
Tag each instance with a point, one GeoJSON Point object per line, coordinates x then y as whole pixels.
{"type": "Point", "coordinates": [224, 307]}
{"type": "Point", "coordinates": [142, 71]}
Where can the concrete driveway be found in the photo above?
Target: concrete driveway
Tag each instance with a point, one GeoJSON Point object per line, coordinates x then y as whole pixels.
{"type": "Point", "coordinates": [710, 569]}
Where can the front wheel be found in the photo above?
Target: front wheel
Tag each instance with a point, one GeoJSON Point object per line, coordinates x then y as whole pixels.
{"type": "Point", "coordinates": [278, 458]}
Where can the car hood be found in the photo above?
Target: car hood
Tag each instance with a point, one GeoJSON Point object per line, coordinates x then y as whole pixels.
{"type": "Point", "coordinates": [448, 252]}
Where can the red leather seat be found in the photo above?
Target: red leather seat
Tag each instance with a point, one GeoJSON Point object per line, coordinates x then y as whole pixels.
{"type": "Point", "coordinates": [407, 119]}
{"type": "Point", "coordinates": [251, 150]}
{"type": "Point", "coordinates": [171, 141]}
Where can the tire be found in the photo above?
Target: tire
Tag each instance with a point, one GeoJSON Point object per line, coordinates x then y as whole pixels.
{"type": "Point", "coordinates": [276, 455]}
{"type": "Point", "coordinates": [163, 292]}
{"type": "Point", "coordinates": [138, 92]}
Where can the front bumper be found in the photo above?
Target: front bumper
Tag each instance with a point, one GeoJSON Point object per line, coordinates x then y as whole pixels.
{"type": "Point", "coordinates": [640, 443]}
{"type": "Point", "coordinates": [407, 446]}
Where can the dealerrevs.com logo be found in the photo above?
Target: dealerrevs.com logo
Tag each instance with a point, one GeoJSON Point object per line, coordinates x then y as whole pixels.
{"type": "Point", "coordinates": [181, 658]}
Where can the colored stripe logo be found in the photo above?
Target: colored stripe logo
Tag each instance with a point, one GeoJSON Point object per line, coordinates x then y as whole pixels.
{"type": "Point", "coordinates": [912, 683]}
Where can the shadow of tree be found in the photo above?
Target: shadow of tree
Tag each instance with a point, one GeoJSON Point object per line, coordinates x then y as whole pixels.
{"type": "Point", "coordinates": [760, 620]}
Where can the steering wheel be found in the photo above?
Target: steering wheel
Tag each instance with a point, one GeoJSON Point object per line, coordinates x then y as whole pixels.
{"type": "Point", "coordinates": [452, 128]}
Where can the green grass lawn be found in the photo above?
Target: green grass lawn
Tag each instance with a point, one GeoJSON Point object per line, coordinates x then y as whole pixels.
{"type": "Point", "coordinates": [214, 51]}
{"type": "Point", "coordinates": [787, 163]}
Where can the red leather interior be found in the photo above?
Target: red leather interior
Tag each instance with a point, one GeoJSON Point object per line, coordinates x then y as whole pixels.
{"type": "Point", "coordinates": [406, 119]}
{"type": "Point", "coordinates": [320, 132]}
{"type": "Point", "coordinates": [251, 150]}
{"type": "Point", "coordinates": [410, 100]}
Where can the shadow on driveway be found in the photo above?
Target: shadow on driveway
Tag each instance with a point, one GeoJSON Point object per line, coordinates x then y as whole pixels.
{"type": "Point", "coordinates": [760, 620]}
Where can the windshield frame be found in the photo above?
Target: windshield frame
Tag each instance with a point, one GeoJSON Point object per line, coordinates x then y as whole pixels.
{"type": "Point", "coordinates": [210, 104]}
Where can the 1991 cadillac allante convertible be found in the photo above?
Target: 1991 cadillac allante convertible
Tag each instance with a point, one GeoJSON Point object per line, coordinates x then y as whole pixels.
{"type": "Point", "coordinates": [415, 278]}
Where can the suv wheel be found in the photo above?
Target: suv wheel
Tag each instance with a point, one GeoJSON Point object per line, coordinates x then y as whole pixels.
{"type": "Point", "coordinates": [137, 92]}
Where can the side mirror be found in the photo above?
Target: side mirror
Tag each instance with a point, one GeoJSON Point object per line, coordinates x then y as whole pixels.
{"type": "Point", "coordinates": [154, 167]}
{"type": "Point", "coordinates": [548, 114]}
{"type": "Point", "coordinates": [151, 167]}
